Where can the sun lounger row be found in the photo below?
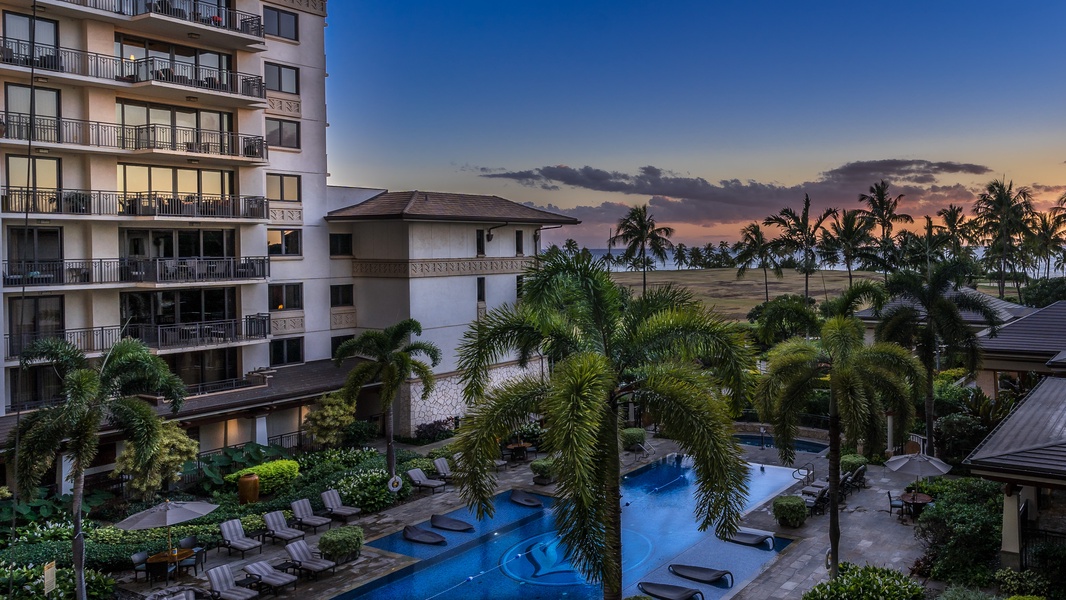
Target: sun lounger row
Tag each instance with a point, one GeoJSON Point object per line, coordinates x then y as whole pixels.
{"type": "Point", "coordinates": [266, 577]}
{"type": "Point", "coordinates": [277, 528]}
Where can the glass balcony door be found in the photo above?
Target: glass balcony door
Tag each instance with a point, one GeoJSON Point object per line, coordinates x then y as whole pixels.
{"type": "Point", "coordinates": [32, 113]}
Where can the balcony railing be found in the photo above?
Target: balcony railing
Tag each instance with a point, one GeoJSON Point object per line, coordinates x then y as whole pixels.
{"type": "Point", "coordinates": [133, 270]}
{"type": "Point", "coordinates": [193, 11]}
{"type": "Point", "coordinates": [166, 204]}
{"type": "Point", "coordinates": [90, 339]}
{"type": "Point", "coordinates": [214, 387]}
{"type": "Point", "coordinates": [101, 66]}
{"type": "Point", "coordinates": [134, 137]}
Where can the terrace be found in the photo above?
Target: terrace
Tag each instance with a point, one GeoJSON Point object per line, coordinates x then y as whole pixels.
{"type": "Point", "coordinates": [104, 271]}
{"type": "Point", "coordinates": [80, 202]}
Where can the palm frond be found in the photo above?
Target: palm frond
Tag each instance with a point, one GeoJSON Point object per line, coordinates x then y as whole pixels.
{"type": "Point", "coordinates": [64, 356]}
{"type": "Point", "coordinates": [140, 428]}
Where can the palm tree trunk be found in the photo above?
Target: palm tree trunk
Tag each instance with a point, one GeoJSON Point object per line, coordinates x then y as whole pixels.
{"type": "Point", "coordinates": [848, 265]}
{"type": "Point", "coordinates": [766, 283]}
{"type": "Point", "coordinates": [612, 558]}
{"type": "Point", "coordinates": [79, 537]}
{"type": "Point", "coordinates": [644, 271]}
{"type": "Point", "coordinates": [834, 485]}
{"type": "Point", "coordinates": [930, 418]}
{"type": "Point", "coordinates": [390, 449]}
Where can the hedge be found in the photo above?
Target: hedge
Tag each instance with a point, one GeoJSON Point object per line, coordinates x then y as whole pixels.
{"type": "Point", "coordinates": [850, 462]}
{"type": "Point", "coordinates": [341, 543]}
{"type": "Point", "coordinates": [632, 436]}
{"type": "Point", "coordinates": [273, 475]}
{"type": "Point", "coordinates": [867, 583]}
{"type": "Point", "coordinates": [27, 583]}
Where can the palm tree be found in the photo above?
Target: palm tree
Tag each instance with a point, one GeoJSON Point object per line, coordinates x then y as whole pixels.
{"type": "Point", "coordinates": [863, 381]}
{"type": "Point", "coordinates": [390, 359]}
{"type": "Point", "coordinates": [848, 239]}
{"type": "Point", "coordinates": [1047, 238]}
{"type": "Point", "coordinates": [92, 394]}
{"type": "Point", "coordinates": [755, 251]}
{"type": "Point", "coordinates": [930, 319]}
{"type": "Point", "coordinates": [639, 232]}
{"type": "Point", "coordinates": [680, 256]}
{"type": "Point", "coordinates": [958, 230]}
{"type": "Point", "coordinates": [1003, 219]}
{"type": "Point", "coordinates": [607, 349]}
{"type": "Point", "coordinates": [882, 209]}
{"type": "Point", "coordinates": [800, 234]}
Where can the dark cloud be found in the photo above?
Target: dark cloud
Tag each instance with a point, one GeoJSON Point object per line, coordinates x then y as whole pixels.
{"type": "Point", "coordinates": [468, 168]}
{"type": "Point", "coordinates": [900, 171]}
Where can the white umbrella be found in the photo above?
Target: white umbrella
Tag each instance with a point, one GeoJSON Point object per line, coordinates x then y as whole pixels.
{"type": "Point", "coordinates": [166, 514]}
{"type": "Point", "coordinates": [919, 465]}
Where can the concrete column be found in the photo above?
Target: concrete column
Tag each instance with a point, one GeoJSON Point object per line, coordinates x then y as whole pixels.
{"type": "Point", "coordinates": [1030, 494]}
{"type": "Point", "coordinates": [891, 423]}
{"type": "Point", "coordinates": [1010, 551]}
{"type": "Point", "coordinates": [261, 430]}
{"type": "Point", "coordinates": [65, 467]}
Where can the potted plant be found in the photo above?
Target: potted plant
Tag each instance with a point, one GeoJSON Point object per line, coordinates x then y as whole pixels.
{"type": "Point", "coordinates": [342, 544]}
{"type": "Point", "coordinates": [790, 511]}
{"type": "Point", "coordinates": [543, 471]}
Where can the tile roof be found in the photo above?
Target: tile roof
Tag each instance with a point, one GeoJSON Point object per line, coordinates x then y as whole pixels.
{"type": "Point", "coordinates": [1032, 439]}
{"type": "Point", "coordinates": [442, 206]}
{"type": "Point", "coordinates": [1007, 311]}
{"type": "Point", "coordinates": [1042, 332]}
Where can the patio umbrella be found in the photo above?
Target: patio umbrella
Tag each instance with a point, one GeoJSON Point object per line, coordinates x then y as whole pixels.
{"type": "Point", "coordinates": [919, 465]}
{"type": "Point", "coordinates": [166, 514]}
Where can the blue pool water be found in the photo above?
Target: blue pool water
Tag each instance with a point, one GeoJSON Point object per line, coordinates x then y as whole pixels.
{"type": "Point", "coordinates": [517, 554]}
{"type": "Point", "coordinates": [749, 439]}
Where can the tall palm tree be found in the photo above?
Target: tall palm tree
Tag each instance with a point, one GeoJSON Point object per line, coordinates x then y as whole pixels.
{"type": "Point", "coordinates": [642, 236]}
{"type": "Point", "coordinates": [391, 360]}
{"type": "Point", "coordinates": [863, 381]}
{"type": "Point", "coordinates": [799, 233]}
{"type": "Point", "coordinates": [607, 348]}
{"type": "Point", "coordinates": [959, 231]}
{"type": "Point", "coordinates": [1047, 238]}
{"type": "Point", "coordinates": [930, 319]}
{"type": "Point", "coordinates": [848, 239]}
{"type": "Point", "coordinates": [755, 251]}
{"type": "Point", "coordinates": [1003, 218]}
{"type": "Point", "coordinates": [882, 208]}
{"type": "Point", "coordinates": [680, 256]}
{"type": "Point", "coordinates": [93, 392]}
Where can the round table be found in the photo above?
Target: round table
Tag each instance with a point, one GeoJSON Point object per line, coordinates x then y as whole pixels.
{"type": "Point", "coordinates": [175, 556]}
{"type": "Point", "coordinates": [518, 451]}
{"type": "Point", "coordinates": [916, 501]}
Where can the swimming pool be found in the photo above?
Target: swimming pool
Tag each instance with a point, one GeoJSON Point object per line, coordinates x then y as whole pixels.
{"type": "Point", "coordinates": [517, 554]}
{"type": "Point", "coordinates": [754, 439]}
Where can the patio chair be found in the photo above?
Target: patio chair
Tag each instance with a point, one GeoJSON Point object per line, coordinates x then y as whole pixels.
{"type": "Point", "coordinates": [270, 577]}
{"type": "Point", "coordinates": [664, 591]}
{"type": "Point", "coordinates": [895, 504]}
{"type": "Point", "coordinates": [139, 560]}
{"type": "Point", "coordinates": [305, 517]}
{"type": "Point", "coordinates": [278, 528]}
{"type": "Point", "coordinates": [198, 558]}
{"type": "Point", "coordinates": [418, 477]}
{"type": "Point", "coordinates": [233, 538]}
{"type": "Point", "coordinates": [159, 570]}
{"type": "Point", "coordinates": [224, 586]}
{"type": "Point", "coordinates": [301, 555]}
{"type": "Point", "coordinates": [335, 507]}
{"type": "Point", "coordinates": [701, 574]}
{"type": "Point", "coordinates": [858, 478]}
{"type": "Point", "coordinates": [499, 463]}
{"type": "Point", "coordinates": [816, 505]}
{"type": "Point", "coordinates": [444, 470]}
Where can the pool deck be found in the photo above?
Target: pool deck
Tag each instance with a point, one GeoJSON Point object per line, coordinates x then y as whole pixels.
{"type": "Point", "coordinates": [869, 534]}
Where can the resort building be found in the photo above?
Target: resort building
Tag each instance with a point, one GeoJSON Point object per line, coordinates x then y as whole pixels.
{"type": "Point", "coordinates": [1035, 344]}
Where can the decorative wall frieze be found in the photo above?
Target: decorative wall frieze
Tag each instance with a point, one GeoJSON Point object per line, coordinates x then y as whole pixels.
{"type": "Point", "coordinates": [342, 317]}
{"type": "Point", "coordinates": [286, 215]}
{"type": "Point", "coordinates": [283, 325]}
{"type": "Point", "coordinates": [279, 105]}
{"type": "Point", "coordinates": [316, 7]}
{"type": "Point", "coordinates": [448, 267]}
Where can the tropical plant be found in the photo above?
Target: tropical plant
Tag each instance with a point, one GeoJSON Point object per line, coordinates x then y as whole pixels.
{"type": "Point", "coordinates": [606, 348]}
{"type": "Point", "coordinates": [783, 317]}
{"type": "Point", "coordinates": [755, 251]}
{"type": "Point", "coordinates": [1047, 238]}
{"type": "Point", "coordinates": [642, 236]}
{"type": "Point", "coordinates": [1003, 219]}
{"type": "Point", "coordinates": [959, 231]}
{"type": "Point", "coordinates": [883, 210]}
{"type": "Point", "coordinates": [147, 478]}
{"type": "Point", "coordinates": [390, 360]}
{"type": "Point", "coordinates": [864, 382]}
{"type": "Point", "coordinates": [848, 239]}
{"type": "Point", "coordinates": [273, 475]}
{"type": "Point", "coordinates": [1022, 583]}
{"type": "Point", "coordinates": [790, 511]}
{"type": "Point", "coordinates": [341, 543]}
{"type": "Point", "coordinates": [867, 583]}
{"type": "Point", "coordinates": [961, 531]}
{"type": "Point", "coordinates": [680, 256]}
{"type": "Point", "coordinates": [799, 234]}
{"type": "Point", "coordinates": [329, 422]}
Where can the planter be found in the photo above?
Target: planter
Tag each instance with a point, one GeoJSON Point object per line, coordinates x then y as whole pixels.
{"type": "Point", "coordinates": [248, 488]}
{"type": "Point", "coordinates": [340, 560]}
{"type": "Point", "coordinates": [543, 479]}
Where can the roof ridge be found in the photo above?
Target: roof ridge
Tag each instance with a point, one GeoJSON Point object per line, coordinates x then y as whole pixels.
{"type": "Point", "coordinates": [410, 203]}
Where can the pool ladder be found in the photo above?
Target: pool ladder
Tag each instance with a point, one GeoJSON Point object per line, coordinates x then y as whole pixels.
{"type": "Point", "coordinates": [805, 473]}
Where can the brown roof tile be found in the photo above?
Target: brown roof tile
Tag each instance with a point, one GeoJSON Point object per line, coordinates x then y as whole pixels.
{"type": "Point", "coordinates": [444, 206]}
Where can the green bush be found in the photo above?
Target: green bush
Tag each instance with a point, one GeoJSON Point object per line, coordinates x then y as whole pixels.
{"type": "Point", "coordinates": [961, 531]}
{"type": "Point", "coordinates": [957, 435]}
{"type": "Point", "coordinates": [1044, 291]}
{"type": "Point", "coordinates": [533, 433]}
{"type": "Point", "coordinates": [367, 490]}
{"type": "Point", "coordinates": [426, 464]}
{"type": "Point", "coordinates": [632, 436]}
{"type": "Point", "coordinates": [850, 462]}
{"type": "Point", "coordinates": [360, 433]}
{"type": "Point", "coordinates": [272, 475]}
{"type": "Point", "coordinates": [346, 457]}
{"type": "Point", "coordinates": [1050, 560]}
{"type": "Point", "coordinates": [867, 583]}
{"type": "Point", "coordinates": [790, 510]}
{"type": "Point", "coordinates": [1022, 583]}
{"type": "Point", "coordinates": [445, 451]}
{"type": "Point", "coordinates": [1027, 598]}
{"type": "Point", "coordinates": [341, 543]}
{"type": "Point", "coordinates": [543, 467]}
{"type": "Point", "coordinates": [27, 583]}
{"type": "Point", "coordinates": [957, 592]}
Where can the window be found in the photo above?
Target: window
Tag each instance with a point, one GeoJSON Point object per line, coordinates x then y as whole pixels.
{"type": "Point", "coordinates": [34, 244]}
{"type": "Point", "coordinates": [286, 296]}
{"type": "Point", "coordinates": [282, 134]}
{"type": "Point", "coordinates": [153, 59]}
{"type": "Point", "coordinates": [283, 188]}
{"type": "Point", "coordinates": [340, 244]}
{"type": "Point", "coordinates": [165, 127]}
{"type": "Point", "coordinates": [286, 351]}
{"type": "Point", "coordinates": [518, 286]}
{"type": "Point", "coordinates": [481, 242]}
{"type": "Point", "coordinates": [31, 319]}
{"type": "Point", "coordinates": [42, 103]}
{"type": "Point", "coordinates": [341, 295]}
{"type": "Point", "coordinates": [280, 23]}
{"type": "Point", "coordinates": [519, 243]}
{"type": "Point", "coordinates": [336, 341]}
{"type": "Point", "coordinates": [26, 28]}
{"type": "Point", "coordinates": [33, 171]}
{"type": "Point", "coordinates": [283, 242]}
{"type": "Point", "coordinates": [280, 78]}
{"type": "Point", "coordinates": [480, 289]}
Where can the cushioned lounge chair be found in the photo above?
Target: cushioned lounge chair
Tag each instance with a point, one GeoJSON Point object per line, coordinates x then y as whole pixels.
{"type": "Point", "coordinates": [233, 538]}
{"type": "Point", "coordinates": [444, 470]}
{"type": "Point", "coordinates": [336, 508]}
{"type": "Point", "coordinates": [449, 524]}
{"type": "Point", "coordinates": [278, 528]}
{"type": "Point", "coordinates": [664, 591]}
{"type": "Point", "coordinates": [422, 536]}
{"type": "Point", "coordinates": [751, 537]}
{"type": "Point", "coordinates": [701, 574]}
{"type": "Point", "coordinates": [418, 477]}
{"type": "Point", "coordinates": [305, 517]}
{"type": "Point", "coordinates": [300, 553]}
{"type": "Point", "coordinates": [526, 499]}
{"type": "Point", "coordinates": [270, 577]}
{"type": "Point", "coordinates": [223, 585]}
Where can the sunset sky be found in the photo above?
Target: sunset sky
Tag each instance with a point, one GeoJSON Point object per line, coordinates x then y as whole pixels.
{"type": "Point", "coordinates": [715, 113]}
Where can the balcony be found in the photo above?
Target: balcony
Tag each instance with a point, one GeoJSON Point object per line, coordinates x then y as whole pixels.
{"type": "Point", "coordinates": [48, 201]}
{"type": "Point", "coordinates": [143, 74]}
{"type": "Point", "coordinates": [44, 273]}
{"type": "Point", "coordinates": [89, 340]}
{"type": "Point", "coordinates": [137, 139]}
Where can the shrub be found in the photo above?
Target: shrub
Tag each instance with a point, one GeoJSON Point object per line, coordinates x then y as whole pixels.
{"type": "Point", "coordinates": [867, 583]}
{"type": "Point", "coordinates": [790, 510]}
{"type": "Point", "coordinates": [27, 583]}
{"type": "Point", "coordinates": [360, 433]}
{"type": "Point", "coordinates": [425, 464]}
{"type": "Point", "coordinates": [328, 421]}
{"type": "Point", "coordinates": [46, 532]}
{"type": "Point", "coordinates": [445, 451]}
{"type": "Point", "coordinates": [341, 543]}
{"type": "Point", "coordinates": [956, 592]}
{"type": "Point", "coordinates": [632, 436]}
{"type": "Point", "coordinates": [961, 531]}
{"type": "Point", "coordinates": [543, 467]}
{"type": "Point", "coordinates": [345, 457]}
{"type": "Point", "coordinates": [957, 435]}
{"type": "Point", "coordinates": [272, 475]}
{"type": "Point", "coordinates": [1050, 562]}
{"type": "Point", "coordinates": [174, 450]}
{"type": "Point", "coordinates": [533, 433]}
{"type": "Point", "coordinates": [850, 462]}
{"type": "Point", "coordinates": [1027, 598]}
{"type": "Point", "coordinates": [367, 490]}
{"type": "Point", "coordinates": [435, 431]}
{"type": "Point", "coordinates": [1044, 291]}
{"type": "Point", "coordinates": [1022, 583]}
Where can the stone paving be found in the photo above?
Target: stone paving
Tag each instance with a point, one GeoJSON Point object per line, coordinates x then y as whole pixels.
{"type": "Point", "coordinates": [869, 534]}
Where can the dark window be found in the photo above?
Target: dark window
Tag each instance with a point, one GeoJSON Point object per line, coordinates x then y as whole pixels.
{"type": "Point", "coordinates": [280, 78]}
{"type": "Point", "coordinates": [282, 134]}
{"type": "Point", "coordinates": [518, 286]}
{"type": "Point", "coordinates": [336, 341]}
{"type": "Point", "coordinates": [519, 245]}
{"type": "Point", "coordinates": [34, 244]}
{"type": "Point", "coordinates": [26, 28]}
{"type": "Point", "coordinates": [480, 289]}
{"type": "Point", "coordinates": [286, 296]}
{"type": "Point", "coordinates": [340, 244]}
{"type": "Point", "coordinates": [481, 242]}
{"type": "Point", "coordinates": [342, 295]}
{"type": "Point", "coordinates": [33, 318]}
{"type": "Point", "coordinates": [164, 61]}
{"type": "Point", "coordinates": [286, 351]}
{"type": "Point", "coordinates": [283, 188]}
{"type": "Point", "coordinates": [35, 386]}
{"type": "Point", "coordinates": [283, 242]}
{"type": "Point", "coordinates": [280, 23]}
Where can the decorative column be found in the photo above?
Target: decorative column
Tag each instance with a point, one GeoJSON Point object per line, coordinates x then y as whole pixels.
{"type": "Point", "coordinates": [261, 430]}
{"type": "Point", "coordinates": [890, 419]}
{"type": "Point", "coordinates": [1010, 550]}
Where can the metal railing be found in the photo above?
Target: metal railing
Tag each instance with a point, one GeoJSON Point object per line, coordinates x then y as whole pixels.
{"type": "Point", "coordinates": [805, 419]}
{"type": "Point", "coordinates": [133, 270]}
{"type": "Point", "coordinates": [20, 126]}
{"type": "Point", "coordinates": [144, 204]}
{"type": "Point", "coordinates": [89, 339]}
{"type": "Point", "coordinates": [45, 57]}
{"type": "Point", "coordinates": [193, 11]}
{"type": "Point", "coordinates": [213, 387]}
{"type": "Point", "coordinates": [300, 441]}
{"type": "Point", "coordinates": [1031, 542]}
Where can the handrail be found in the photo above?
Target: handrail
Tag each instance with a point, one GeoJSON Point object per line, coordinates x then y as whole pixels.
{"type": "Point", "coordinates": [133, 270]}
{"type": "Point", "coordinates": [804, 473]}
{"type": "Point", "coordinates": [193, 11]}
{"type": "Point", "coordinates": [145, 204]}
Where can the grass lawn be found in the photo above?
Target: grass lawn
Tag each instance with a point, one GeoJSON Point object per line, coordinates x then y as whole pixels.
{"type": "Point", "coordinates": [733, 298]}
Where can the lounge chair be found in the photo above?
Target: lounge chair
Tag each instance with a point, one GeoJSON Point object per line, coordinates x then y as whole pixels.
{"type": "Point", "coordinates": [817, 504]}
{"type": "Point", "coordinates": [526, 499]}
{"type": "Point", "coordinates": [278, 528]}
{"type": "Point", "coordinates": [449, 524]}
{"type": "Point", "coordinates": [186, 595]}
{"type": "Point", "coordinates": [305, 517]}
{"type": "Point", "coordinates": [701, 574]}
{"type": "Point", "coordinates": [499, 463]}
{"type": "Point", "coordinates": [301, 555]}
{"type": "Point", "coordinates": [752, 537]}
{"type": "Point", "coordinates": [858, 477]}
{"type": "Point", "coordinates": [418, 535]}
{"type": "Point", "coordinates": [233, 538]}
{"type": "Point", "coordinates": [664, 591]}
{"type": "Point", "coordinates": [224, 586]}
{"type": "Point", "coordinates": [270, 577]}
{"type": "Point", "coordinates": [335, 507]}
{"type": "Point", "coordinates": [418, 477]}
{"type": "Point", "coordinates": [444, 470]}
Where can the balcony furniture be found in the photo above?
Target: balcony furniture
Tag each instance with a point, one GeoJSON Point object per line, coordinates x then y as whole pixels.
{"type": "Point", "coordinates": [224, 586]}
{"type": "Point", "coordinates": [198, 559]}
{"type": "Point", "coordinates": [51, 62]}
{"type": "Point", "coordinates": [78, 275]}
